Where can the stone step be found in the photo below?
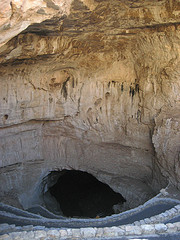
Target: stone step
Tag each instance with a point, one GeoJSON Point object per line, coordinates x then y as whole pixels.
{"type": "Point", "coordinates": [159, 231]}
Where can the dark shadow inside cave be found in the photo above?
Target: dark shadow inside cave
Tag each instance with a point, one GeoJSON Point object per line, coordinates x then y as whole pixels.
{"type": "Point", "coordinates": [80, 194]}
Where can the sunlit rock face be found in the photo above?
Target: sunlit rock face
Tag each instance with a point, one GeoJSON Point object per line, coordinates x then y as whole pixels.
{"type": "Point", "coordinates": [91, 86]}
{"type": "Point", "coordinates": [17, 15]}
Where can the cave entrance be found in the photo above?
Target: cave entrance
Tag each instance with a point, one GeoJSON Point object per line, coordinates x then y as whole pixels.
{"type": "Point", "coordinates": [80, 194]}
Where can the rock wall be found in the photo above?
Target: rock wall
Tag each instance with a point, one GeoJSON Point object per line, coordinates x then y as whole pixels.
{"type": "Point", "coordinates": [94, 87]}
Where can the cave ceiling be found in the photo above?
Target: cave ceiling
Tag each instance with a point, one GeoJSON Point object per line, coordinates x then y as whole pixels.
{"type": "Point", "coordinates": [88, 26]}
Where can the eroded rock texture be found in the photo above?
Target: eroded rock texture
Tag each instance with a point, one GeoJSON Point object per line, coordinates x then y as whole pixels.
{"type": "Point", "coordinates": [91, 85]}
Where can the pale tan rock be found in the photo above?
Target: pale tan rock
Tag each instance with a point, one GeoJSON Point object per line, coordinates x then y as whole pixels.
{"type": "Point", "coordinates": [95, 87]}
{"type": "Point", "coordinates": [166, 141]}
{"type": "Point", "coordinates": [17, 15]}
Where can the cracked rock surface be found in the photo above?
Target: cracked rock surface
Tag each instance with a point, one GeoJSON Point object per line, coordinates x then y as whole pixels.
{"type": "Point", "coordinates": [91, 85]}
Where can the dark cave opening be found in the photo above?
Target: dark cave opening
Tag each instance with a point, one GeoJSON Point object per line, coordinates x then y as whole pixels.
{"type": "Point", "coordinates": [80, 194]}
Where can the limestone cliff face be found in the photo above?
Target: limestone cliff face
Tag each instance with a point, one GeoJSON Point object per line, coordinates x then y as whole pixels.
{"type": "Point", "coordinates": [90, 85]}
{"type": "Point", "coordinates": [17, 15]}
